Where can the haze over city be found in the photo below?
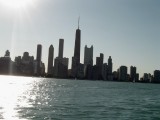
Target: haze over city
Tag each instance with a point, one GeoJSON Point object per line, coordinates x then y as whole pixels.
{"type": "Point", "coordinates": [126, 30]}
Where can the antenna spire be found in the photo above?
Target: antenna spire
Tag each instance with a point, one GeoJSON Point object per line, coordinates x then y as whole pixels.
{"type": "Point", "coordinates": [78, 21]}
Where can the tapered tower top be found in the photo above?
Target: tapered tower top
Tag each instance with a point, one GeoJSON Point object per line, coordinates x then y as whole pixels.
{"type": "Point", "coordinates": [78, 21]}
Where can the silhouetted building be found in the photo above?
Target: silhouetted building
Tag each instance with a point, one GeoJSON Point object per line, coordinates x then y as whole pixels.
{"type": "Point", "coordinates": [80, 71]}
{"type": "Point", "coordinates": [7, 54]}
{"type": "Point", "coordinates": [133, 74]}
{"type": "Point", "coordinates": [123, 73]}
{"type": "Point", "coordinates": [89, 72]}
{"type": "Point", "coordinates": [104, 71]}
{"type": "Point", "coordinates": [61, 67]}
{"type": "Point", "coordinates": [109, 69]}
{"type": "Point", "coordinates": [95, 73]}
{"type": "Point", "coordinates": [145, 77]}
{"type": "Point", "coordinates": [99, 60]}
{"type": "Point", "coordinates": [61, 43]}
{"type": "Point", "coordinates": [115, 75]}
{"type": "Point", "coordinates": [42, 69]}
{"type": "Point", "coordinates": [60, 63]}
{"type": "Point", "coordinates": [88, 56]}
{"type": "Point", "coordinates": [99, 64]}
{"type": "Point", "coordinates": [110, 65]}
{"type": "Point", "coordinates": [137, 77]}
{"type": "Point", "coordinates": [24, 66]}
{"type": "Point", "coordinates": [39, 57]}
{"type": "Point", "coordinates": [50, 60]}
{"type": "Point", "coordinates": [76, 57]}
{"type": "Point", "coordinates": [156, 76]}
{"type": "Point", "coordinates": [6, 64]}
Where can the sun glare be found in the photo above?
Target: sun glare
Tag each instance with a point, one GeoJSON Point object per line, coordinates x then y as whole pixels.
{"type": "Point", "coordinates": [16, 4]}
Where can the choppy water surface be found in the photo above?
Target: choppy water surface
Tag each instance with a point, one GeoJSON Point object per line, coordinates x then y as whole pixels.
{"type": "Point", "coordinates": [29, 98]}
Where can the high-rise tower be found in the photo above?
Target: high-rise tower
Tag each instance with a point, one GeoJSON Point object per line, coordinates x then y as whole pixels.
{"type": "Point", "coordinates": [61, 63]}
{"type": "Point", "coordinates": [76, 57]}
{"type": "Point", "coordinates": [61, 43]}
{"type": "Point", "coordinates": [88, 56]}
{"type": "Point", "coordinates": [133, 73]}
{"type": "Point", "coordinates": [77, 43]}
{"type": "Point", "coordinates": [39, 56]}
{"type": "Point", "coordinates": [50, 60]}
{"type": "Point", "coordinates": [110, 65]}
{"type": "Point", "coordinates": [39, 52]}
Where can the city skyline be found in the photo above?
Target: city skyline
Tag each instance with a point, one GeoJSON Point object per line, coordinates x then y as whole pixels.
{"type": "Point", "coordinates": [126, 30]}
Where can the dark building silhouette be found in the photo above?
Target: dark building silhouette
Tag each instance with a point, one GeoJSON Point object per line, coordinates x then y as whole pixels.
{"type": "Point", "coordinates": [50, 60]}
{"type": "Point", "coordinates": [133, 74]}
{"type": "Point", "coordinates": [156, 76]}
{"type": "Point", "coordinates": [39, 57]}
{"type": "Point", "coordinates": [88, 56]}
{"type": "Point", "coordinates": [104, 71]}
{"type": "Point", "coordinates": [76, 57]}
{"type": "Point", "coordinates": [88, 61]}
{"type": "Point", "coordinates": [115, 75]}
{"type": "Point", "coordinates": [110, 65]}
{"type": "Point", "coordinates": [96, 74]}
{"type": "Point", "coordinates": [61, 67]}
{"type": "Point", "coordinates": [146, 78]}
{"type": "Point", "coordinates": [99, 65]}
{"type": "Point", "coordinates": [137, 77]}
{"type": "Point", "coordinates": [99, 60]}
{"type": "Point", "coordinates": [61, 43]}
{"type": "Point", "coordinates": [6, 64]}
{"type": "Point", "coordinates": [7, 53]}
{"type": "Point", "coordinates": [110, 69]}
{"type": "Point", "coordinates": [123, 73]}
{"type": "Point", "coordinates": [89, 72]}
{"type": "Point", "coordinates": [80, 71]}
{"type": "Point", "coordinates": [77, 44]}
{"type": "Point", "coordinates": [24, 65]}
{"type": "Point", "coordinates": [60, 63]}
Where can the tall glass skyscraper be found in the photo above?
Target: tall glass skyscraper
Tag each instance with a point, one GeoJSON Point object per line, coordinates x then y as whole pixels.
{"type": "Point", "coordinates": [61, 43]}
{"type": "Point", "coordinates": [39, 57]}
{"type": "Point", "coordinates": [50, 60]}
{"type": "Point", "coordinates": [76, 57]}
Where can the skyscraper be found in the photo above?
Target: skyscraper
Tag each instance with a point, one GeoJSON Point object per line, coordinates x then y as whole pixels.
{"type": "Point", "coordinates": [133, 73]}
{"type": "Point", "coordinates": [39, 56]}
{"type": "Point", "coordinates": [76, 57]}
{"type": "Point", "coordinates": [60, 63]}
{"type": "Point", "coordinates": [156, 76]}
{"type": "Point", "coordinates": [50, 60]}
{"type": "Point", "coordinates": [39, 52]}
{"type": "Point", "coordinates": [77, 44]}
{"type": "Point", "coordinates": [110, 65]}
{"type": "Point", "coordinates": [99, 65]}
{"type": "Point", "coordinates": [123, 73]}
{"type": "Point", "coordinates": [88, 56]}
{"type": "Point", "coordinates": [99, 60]}
{"type": "Point", "coordinates": [61, 42]}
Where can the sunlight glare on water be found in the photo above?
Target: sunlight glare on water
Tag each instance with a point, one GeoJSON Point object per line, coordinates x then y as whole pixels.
{"type": "Point", "coordinates": [10, 90]}
{"type": "Point", "coordinates": [28, 98]}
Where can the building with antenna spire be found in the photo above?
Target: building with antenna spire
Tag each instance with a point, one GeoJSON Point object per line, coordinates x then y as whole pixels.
{"type": "Point", "coordinates": [76, 57]}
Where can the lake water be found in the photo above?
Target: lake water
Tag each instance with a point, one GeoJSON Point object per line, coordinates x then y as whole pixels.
{"type": "Point", "coordinates": [28, 98]}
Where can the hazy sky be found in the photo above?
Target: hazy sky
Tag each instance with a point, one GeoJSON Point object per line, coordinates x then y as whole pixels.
{"type": "Point", "coordinates": [127, 30]}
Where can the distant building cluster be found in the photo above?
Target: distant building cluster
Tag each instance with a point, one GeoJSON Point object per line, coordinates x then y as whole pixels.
{"type": "Point", "coordinates": [28, 66]}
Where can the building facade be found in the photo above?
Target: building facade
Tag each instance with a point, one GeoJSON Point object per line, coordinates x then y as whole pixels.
{"type": "Point", "coordinates": [38, 59]}
{"type": "Point", "coordinates": [76, 57]}
{"type": "Point", "coordinates": [123, 73]}
{"type": "Point", "coordinates": [88, 56]}
{"type": "Point", "coordinates": [50, 60]}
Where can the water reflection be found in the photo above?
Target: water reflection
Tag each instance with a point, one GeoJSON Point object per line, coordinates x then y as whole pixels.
{"type": "Point", "coordinates": [14, 95]}
{"type": "Point", "coordinates": [29, 98]}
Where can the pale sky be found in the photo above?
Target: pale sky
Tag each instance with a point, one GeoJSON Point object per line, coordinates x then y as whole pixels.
{"type": "Point", "coordinates": [127, 30]}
